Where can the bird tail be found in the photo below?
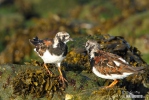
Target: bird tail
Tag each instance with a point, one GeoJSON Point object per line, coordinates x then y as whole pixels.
{"type": "Point", "coordinates": [138, 69]}
{"type": "Point", "coordinates": [35, 41]}
{"type": "Point", "coordinates": [134, 70]}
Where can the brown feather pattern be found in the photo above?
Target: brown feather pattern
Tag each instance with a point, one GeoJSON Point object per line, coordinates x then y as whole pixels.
{"type": "Point", "coordinates": [105, 64]}
{"type": "Point", "coordinates": [41, 45]}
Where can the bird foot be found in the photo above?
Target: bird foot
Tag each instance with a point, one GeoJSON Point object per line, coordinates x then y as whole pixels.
{"type": "Point", "coordinates": [50, 73]}
{"type": "Point", "coordinates": [63, 80]}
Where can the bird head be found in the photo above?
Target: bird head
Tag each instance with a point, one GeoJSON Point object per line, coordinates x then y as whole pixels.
{"type": "Point", "coordinates": [63, 36]}
{"type": "Point", "coordinates": [91, 45]}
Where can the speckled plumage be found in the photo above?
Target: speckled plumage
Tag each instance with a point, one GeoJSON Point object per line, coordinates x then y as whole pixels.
{"type": "Point", "coordinates": [107, 65]}
{"type": "Point", "coordinates": [52, 50]}
{"type": "Point", "coordinates": [48, 53]}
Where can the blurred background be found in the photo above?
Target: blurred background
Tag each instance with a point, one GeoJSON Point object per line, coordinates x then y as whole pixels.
{"type": "Point", "coordinates": [21, 20]}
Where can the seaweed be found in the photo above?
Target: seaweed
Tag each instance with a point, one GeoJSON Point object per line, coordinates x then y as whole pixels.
{"type": "Point", "coordinates": [37, 83]}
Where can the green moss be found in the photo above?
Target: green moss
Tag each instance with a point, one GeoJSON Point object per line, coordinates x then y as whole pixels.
{"type": "Point", "coordinates": [135, 25]}
{"type": "Point", "coordinates": [146, 57]}
{"type": "Point", "coordinates": [7, 9]}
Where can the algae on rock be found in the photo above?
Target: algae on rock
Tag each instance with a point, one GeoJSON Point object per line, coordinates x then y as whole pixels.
{"type": "Point", "coordinates": [31, 80]}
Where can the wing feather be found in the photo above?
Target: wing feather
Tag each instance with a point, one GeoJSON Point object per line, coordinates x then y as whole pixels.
{"type": "Point", "coordinates": [108, 63]}
{"type": "Point", "coordinates": [41, 45]}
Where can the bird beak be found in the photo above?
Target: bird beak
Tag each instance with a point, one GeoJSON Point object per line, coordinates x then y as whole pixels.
{"type": "Point", "coordinates": [70, 39]}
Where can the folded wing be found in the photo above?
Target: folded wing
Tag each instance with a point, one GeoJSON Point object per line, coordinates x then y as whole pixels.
{"type": "Point", "coordinates": [108, 63]}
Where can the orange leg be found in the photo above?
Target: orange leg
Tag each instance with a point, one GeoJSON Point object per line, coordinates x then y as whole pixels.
{"type": "Point", "coordinates": [61, 76]}
{"type": "Point", "coordinates": [112, 84]}
{"type": "Point", "coordinates": [47, 69]}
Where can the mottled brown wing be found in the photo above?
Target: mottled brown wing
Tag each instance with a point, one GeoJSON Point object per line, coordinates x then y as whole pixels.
{"type": "Point", "coordinates": [37, 42]}
{"type": "Point", "coordinates": [41, 45]}
{"type": "Point", "coordinates": [108, 63]}
{"type": "Point", "coordinates": [47, 43]}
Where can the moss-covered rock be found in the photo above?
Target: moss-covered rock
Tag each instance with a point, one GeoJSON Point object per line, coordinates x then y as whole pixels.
{"type": "Point", "coordinates": [18, 81]}
{"type": "Point", "coordinates": [81, 85]}
{"type": "Point", "coordinates": [31, 81]}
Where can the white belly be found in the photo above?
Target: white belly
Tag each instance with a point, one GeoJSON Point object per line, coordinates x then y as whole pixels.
{"type": "Point", "coordinates": [112, 76]}
{"type": "Point", "coordinates": [48, 58]}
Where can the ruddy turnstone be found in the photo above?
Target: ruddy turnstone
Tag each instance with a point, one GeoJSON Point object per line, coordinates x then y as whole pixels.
{"type": "Point", "coordinates": [52, 50]}
{"type": "Point", "coordinates": [108, 65]}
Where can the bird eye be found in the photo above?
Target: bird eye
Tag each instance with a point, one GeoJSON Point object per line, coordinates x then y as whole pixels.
{"type": "Point", "coordinates": [66, 35]}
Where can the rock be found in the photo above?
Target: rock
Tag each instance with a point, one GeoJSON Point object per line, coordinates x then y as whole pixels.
{"type": "Point", "coordinates": [31, 81]}
{"type": "Point", "coordinates": [81, 85]}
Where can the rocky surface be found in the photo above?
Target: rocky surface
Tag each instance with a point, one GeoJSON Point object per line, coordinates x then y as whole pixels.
{"type": "Point", "coordinates": [31, 81]}
{"type": "Point", "coordinates": [81, 86]}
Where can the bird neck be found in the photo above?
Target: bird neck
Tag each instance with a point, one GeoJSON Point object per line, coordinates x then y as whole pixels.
{"type": "Point", "coordinates": [93, 52]}
{"type": "Point", "coordinates": [56, 41]}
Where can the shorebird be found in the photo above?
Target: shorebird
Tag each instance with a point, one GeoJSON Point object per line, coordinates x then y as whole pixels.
{"type": "Point", "coordinates": [108, 65]}
{"type": "Point", "coordinates": [52, 50]}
